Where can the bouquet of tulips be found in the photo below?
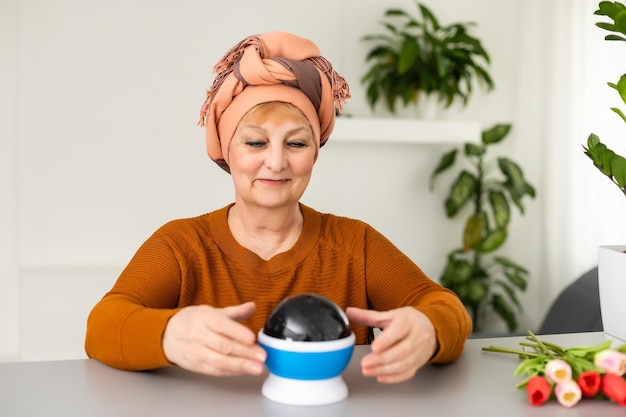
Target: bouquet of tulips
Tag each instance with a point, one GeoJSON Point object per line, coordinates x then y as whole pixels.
{"type": "Point", "coordinates": [569, 374]}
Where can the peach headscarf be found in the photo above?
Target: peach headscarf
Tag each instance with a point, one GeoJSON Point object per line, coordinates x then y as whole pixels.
{"type": "Point", "coordinates": [275, 66]}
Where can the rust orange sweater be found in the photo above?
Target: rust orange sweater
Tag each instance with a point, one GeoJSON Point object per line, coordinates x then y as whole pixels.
{"type": "Point", "coordinates": [197, 261]}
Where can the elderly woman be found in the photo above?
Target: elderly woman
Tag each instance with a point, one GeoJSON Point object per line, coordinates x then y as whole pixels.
{"type": "Point", "coordinates": [198, 290]}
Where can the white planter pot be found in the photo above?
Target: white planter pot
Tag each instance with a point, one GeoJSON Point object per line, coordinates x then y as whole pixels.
{"type": "Point", "coordinates": [612, 284]}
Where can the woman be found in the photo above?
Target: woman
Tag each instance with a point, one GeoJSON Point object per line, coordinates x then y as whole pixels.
{"type": "Point", "coordinates": [198, 290]}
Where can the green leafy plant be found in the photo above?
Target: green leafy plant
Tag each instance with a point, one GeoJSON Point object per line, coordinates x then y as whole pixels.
{"type": "Point", "coordinates": [482, 279]}
{"type": "Point", "coordinates": [419, 55]}
{"type": "Point", "coordinates": [608, 162]}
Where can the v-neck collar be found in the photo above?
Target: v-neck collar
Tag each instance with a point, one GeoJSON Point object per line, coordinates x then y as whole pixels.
{"type": "Point", "coordinates": [309, 236]}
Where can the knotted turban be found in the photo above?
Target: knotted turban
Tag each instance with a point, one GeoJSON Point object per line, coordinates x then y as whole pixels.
{"type": "Point", "coordinates": [275, 66]}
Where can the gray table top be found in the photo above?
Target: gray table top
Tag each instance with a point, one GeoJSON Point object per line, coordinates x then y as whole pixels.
{"type": "Point", "coordinates": [479, 384]}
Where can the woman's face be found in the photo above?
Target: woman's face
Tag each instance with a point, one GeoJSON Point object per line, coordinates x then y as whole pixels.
{"type": "Point", "coordinates": [271, 156]}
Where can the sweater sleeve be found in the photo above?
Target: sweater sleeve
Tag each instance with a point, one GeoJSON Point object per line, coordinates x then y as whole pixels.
{"type": "Point", "coordinates": [394, 280]}
{"type": "Point", "coordinates": [125, 328]}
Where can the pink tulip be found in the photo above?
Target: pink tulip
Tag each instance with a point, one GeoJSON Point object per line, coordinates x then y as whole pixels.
{"type": "Point", "coordinates": [558, 371]}
{"type": "Point", "coordinates": [568, 393]}
{"type": "Point", "coordinates": [611, 361]}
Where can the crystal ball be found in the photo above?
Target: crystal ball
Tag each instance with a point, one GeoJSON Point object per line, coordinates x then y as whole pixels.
{"type": "Point", "coordinates": [307, 317]}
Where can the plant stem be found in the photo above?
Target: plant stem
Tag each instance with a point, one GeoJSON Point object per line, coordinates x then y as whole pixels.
{"type": "Point", "coordinates": [476, 267]}
{"type": "Point", "coordinates": [521, 353]}
{"type": "Point", "coordinates": [478, 195]}
{"type": "Point", "coordinates": [477, 322]}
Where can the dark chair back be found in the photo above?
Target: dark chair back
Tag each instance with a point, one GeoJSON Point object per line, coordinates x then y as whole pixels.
{"type": "Point", "coordinates": [576, 309]}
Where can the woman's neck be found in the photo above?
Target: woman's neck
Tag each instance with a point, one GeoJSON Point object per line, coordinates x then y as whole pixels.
{"type": "Point", "coordinates": [266, 232]}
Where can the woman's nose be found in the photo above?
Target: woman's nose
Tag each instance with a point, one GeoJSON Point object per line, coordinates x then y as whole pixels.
{"type": "Point", "coordinates": [276, 158]}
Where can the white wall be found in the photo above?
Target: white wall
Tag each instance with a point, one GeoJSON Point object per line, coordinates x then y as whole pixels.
{"type": "Point", "coordinates": [101, 143]}
{"type": "Point", "coordinates": [9, 340]}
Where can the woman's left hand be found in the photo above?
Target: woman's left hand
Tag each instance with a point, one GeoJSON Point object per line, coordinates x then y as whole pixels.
{"type": "Point", "coordinates": [407, 342]}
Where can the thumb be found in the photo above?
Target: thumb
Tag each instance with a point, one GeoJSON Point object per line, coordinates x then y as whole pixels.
{"type": "Point", "coordinates": [241, 311]}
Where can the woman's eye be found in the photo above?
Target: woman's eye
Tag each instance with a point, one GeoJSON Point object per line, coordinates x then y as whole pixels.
{"type": "Point", "coordinates": [297, 144]}
{"type": "Point", "coordinates": [255, 143]}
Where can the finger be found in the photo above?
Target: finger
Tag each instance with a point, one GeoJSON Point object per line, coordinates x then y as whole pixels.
{"type": "Point", "coordinates": [236, 348]}
{"type": "Point", "coordinates": [213, 363]}
{"type": "Point", "coordinates": [231, 338]}
{"type": "Point", "coordinates": [395, 365]}
{"type": "Point", "coordinates": [395, 378]}
{"type": "Point", "coordinates": [387, 359]}
{"type": "Point", "coordinates": [382, 319]}
{"type": "Point", "coordinates": [394, 333]}
{"type": "Point", "coordinates": [240, 312]}
{"type": "Point", "coordinates": [370, 318]}
{"type": "Point", "coordinates": [395, 371]}
{"type": "Point", "coordinates": [223, 323]}
{"type": "Point", "coordinates": [218, 355]}
{"type": "Point", "coordinates": [402, 348]}
{"type": "Point", "coordinates": [388, 371]}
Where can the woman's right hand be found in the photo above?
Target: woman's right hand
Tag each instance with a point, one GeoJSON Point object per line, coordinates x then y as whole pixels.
{"type": "Point", "coordinates": [211, 341]}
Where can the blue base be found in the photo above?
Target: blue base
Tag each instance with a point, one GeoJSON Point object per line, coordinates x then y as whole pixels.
{"type": "Point", "coordinates": [307, 365]}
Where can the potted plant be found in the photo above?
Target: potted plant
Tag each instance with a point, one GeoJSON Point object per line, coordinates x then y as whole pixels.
{"type": "Point", "coordinates": [419, 56]}
{"type": "Point", "coordinates": [612, 259]}
{"type": "Point", "coordinates": [485, 281]}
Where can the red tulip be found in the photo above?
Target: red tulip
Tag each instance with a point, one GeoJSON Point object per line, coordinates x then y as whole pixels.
{"type": "Point", "coordinates": [589, 383]}
{"type": "Point", "coordinates": [538, 389]}
{"type": "Point", "coordinates": [614, 387]}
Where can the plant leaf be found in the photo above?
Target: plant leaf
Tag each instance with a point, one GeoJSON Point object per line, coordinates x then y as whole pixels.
{"type": "Point", "coordinates": [492, 241]}
{"type": "Point", "coordinates": [507, 263]}
{"type": "Point", "coordinates": [621, 87]}
{"type": "Point", "coordinates": [530, 190]}
{"type": "Point", "coordinates": [617, 12]}
{"type": "Point", "coordinates": [515, 183]}
{"type": "Point", "coordinates": [473, 231]}
{"type": "Point", "coordinates": [510, 292]}
{"type": "Point", "coordinates": [619, 113]}
{"type": "Point", "coordinates": [600, 155]}
{"type": "Point", "coordinates": [429, 16]}
{"type": "Point", "coordinates": [517, 279]}
{"type": "Point", "coordinates": [618, 170]}
{"type": "Point", "coordinates": [446, 161]}
{"type": "Point", "coordinates": [461, 192]}
{"type": "Point", "coordinates": [527, 365]}
{"type": "Point", "coordinates": [500, 207]}
{"type": "Point", "coordinates": [585, 351]}
{"type": "Point", "coordinates": [504, 310]}
{"type": "Point", "coordinates": [472, 149]}
{"type": "Point", "coordinates": [397, 12]}
{"type": "Point", "coordinates": [476, 291]}
{"type": "Point", "coordinates": [495, 134]}
{"type": "Point", "coordinates": [592, 140]}
{"type": "Point", "coordinates": [408, 54]}
{"type": "Point", "coordinates": [456, 271]}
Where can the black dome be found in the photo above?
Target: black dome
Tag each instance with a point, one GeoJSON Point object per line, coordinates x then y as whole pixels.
{"type": "Point", "coordinates": [307, 317]}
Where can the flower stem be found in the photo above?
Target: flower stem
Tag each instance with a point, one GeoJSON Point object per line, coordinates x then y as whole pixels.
{"type": "Point", "coordinates": [521, 353]}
